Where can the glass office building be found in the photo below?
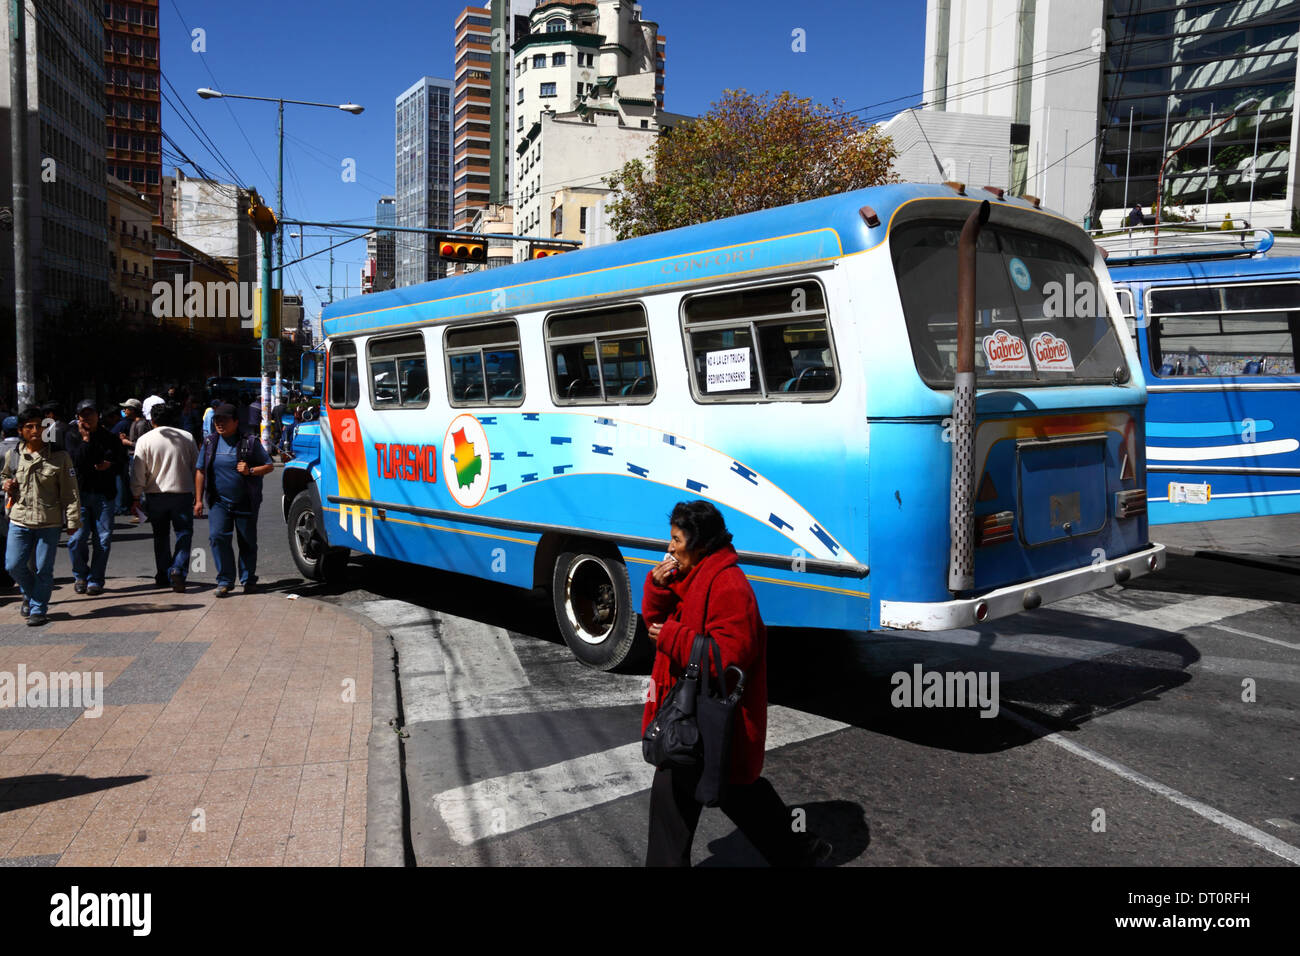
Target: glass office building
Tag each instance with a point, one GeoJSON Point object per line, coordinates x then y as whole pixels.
{"type": "Point", "coordinates": [423, 176]}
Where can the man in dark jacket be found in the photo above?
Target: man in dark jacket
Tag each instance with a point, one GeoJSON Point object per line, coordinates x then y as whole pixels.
{"type": "Point", "coordinates": [229, 481]}
{"type": "Point", "coordinates": [97, 459]}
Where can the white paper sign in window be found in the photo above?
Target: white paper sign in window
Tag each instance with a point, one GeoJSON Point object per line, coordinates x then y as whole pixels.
{"type": "Point", "coordinates": [1051, 353]}
{"type": "Point", "coordinates": [727, 370]}
{"type": "Point", "coordinates": [1005, 352]}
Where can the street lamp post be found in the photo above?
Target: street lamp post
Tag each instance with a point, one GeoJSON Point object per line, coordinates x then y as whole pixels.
{"type": "Point", "coordinates": [1160, 182]}
{"type": "Point", "coordinates": [355, 110]}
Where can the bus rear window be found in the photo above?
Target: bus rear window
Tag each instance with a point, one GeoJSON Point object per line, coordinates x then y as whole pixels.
{"type": "Point", "coordinates": [1040, 315]}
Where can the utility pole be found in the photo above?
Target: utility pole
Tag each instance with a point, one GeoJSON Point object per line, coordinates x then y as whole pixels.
{"type": "Point", "coordinates": [267, 225]}
{"type": "Point", "coordinates": [24, 323]}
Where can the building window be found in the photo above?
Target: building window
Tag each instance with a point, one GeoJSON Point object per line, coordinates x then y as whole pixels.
{"type": "Point", "coordinates": [582, 219]}
{"type": "Point", "coordinates": [557, 59]}
{"type": "Point", "coordinates": [600, 356]}
{"type": "Point", "coordinates": [645, 124]}
{"type": "Point", "coordinates": [557, 222]}
{"type": "Point", "coordinates": [786, 352]}
{"type": "Point", "coordinates": [539, 61]}
{"type": "Point", "coordinates": [548, 90]}
{"type": "Point", "coordinates": [555, 25]}
{"type": "Point", "coordinates": [520, 97]}
{"type": "Point", "coordinates": [484, 365]}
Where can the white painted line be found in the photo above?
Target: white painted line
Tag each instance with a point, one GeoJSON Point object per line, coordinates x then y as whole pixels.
{"type": "Point", "coordinates": [1184, 615]}
{"type": "Point", "coordinates": [1259, 838]}
{"type": "Point", "coordinates": [1260, 670]}
{"type": "Point", "coordinates": [510, 802]}
{"type": "Point", "coordinates": [480, 659]}
{"type": "Point", "coordinates": [1258, 637]}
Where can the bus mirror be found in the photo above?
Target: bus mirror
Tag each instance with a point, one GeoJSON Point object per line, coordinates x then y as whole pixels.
{"type": "Point", "coordinates": [309, 371]}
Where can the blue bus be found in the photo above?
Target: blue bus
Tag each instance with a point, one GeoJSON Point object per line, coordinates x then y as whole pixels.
{"type": "Point", "coordinates": [1215, 325]}
{"type": "Point", "coordinates": [805, 368]}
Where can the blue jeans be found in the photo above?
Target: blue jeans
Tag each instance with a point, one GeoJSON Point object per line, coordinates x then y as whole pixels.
{"type": "Point", "coordinates": [171, 511]}
{"type": "Point", "coordinates": [96, 515]}
{"type": "Point", "coordinates": [124, 488]}
{"type": "Point", "coordinates": [222, 520]}
{"type": "Point", "coordinates": [22, 542]}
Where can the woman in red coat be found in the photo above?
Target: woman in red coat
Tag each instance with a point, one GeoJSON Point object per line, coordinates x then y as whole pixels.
{"type": "Point", "coordinates": [699, 589]}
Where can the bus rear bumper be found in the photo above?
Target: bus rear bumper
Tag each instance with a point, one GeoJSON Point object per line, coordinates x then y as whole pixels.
{"type": "Point", "coordinates": [1027, 595]}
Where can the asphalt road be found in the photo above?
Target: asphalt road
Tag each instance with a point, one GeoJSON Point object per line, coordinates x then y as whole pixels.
{"type": "Point", "coordinates": [1152, 724]}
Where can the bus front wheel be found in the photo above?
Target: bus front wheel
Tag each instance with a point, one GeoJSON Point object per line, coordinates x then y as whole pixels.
{"type": "Point", "coordinates": [593, 607]}
{"type": "Point", "coordinates": [315, 559]}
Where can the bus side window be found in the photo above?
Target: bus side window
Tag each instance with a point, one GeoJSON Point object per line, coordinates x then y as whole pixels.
{"type": "Point", "coordinates": [780, 331]}
{"type": "Point", "coordinates": [1228, 330]}
{"type": "Point", "coordinates": [399, 372]}
{"type": "Point", "coordinates": [601, 356]}
{"type": "Point", "coordinates": [484, 364]}
{"type": "Point", "coordinates": [344, 385]}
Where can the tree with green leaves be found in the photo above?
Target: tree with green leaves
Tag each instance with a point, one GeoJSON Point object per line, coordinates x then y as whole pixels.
{"type": "Point", "coordinates": [748, 153]}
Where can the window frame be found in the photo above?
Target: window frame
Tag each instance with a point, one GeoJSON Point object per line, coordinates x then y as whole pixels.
{"type": "Point", "coordinates": [549, 340]}
{"type": "Point", "coordinates": [399, 405]}
{"type": "Point", "coordinates": [752, 324]}
{"type": "Point", "coordinates": [450, 351]}
{"type": "Point", "coordinates": [1156, 350]}
{"type": "Point", "coordinates": [348, 349]}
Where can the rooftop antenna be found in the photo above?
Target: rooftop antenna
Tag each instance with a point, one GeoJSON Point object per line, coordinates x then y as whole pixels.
{"type": "Point", "coordinates": [943, 174]}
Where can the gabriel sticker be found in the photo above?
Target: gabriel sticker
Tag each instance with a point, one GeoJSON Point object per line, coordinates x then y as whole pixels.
{"type": "Point", "coordinates": [1051, 353]}
{"type": "Point", "coordinates": [1005, 352]}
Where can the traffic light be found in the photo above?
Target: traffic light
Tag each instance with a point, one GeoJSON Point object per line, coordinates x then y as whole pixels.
{"type": "Point", "coordinates": [461, 249]}
{"type": "Point", "coordinates": [263, 216]}
{"type": "Point", "coordinates": [276, 312]}
{"type": "Point", "coordinates": [541, 250]}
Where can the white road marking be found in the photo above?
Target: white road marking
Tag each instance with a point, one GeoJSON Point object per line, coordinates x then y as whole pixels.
{"type": "Point", "coordinates": [510, 802]}
{"type": "Point", "coordinates": [480, 659]}
{"type": "Point", "coordinates": [1184, 615]}
{"type": "Point", "coordinates": [420, 663]}
{"type": "Point", "coordinates": [1256, 836]}
{"type": "Point", "coordinates": [1258, 637]}
{"type": "Point", "coordinates": [1261, 670]}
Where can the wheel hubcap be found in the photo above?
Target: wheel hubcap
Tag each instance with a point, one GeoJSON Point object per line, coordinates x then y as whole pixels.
{"type": "Point", "coordinates": [591, 601]}
{"type": "Point", "coordinates": [304, 533]}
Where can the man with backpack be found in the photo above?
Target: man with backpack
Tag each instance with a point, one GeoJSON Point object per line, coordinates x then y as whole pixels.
{"type": "Point", "coordinates": [229, 481]}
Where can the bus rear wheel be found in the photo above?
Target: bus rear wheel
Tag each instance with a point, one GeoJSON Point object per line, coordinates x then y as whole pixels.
{"type": "Point", "coordinates": [592, 596]}
{"type": "Point", "coordinates": [315, 559]}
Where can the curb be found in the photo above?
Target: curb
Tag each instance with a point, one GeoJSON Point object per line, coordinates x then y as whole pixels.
{"type": "Point", "coordinates": [1246, 560]}
{"type": "Point", "coordinates": [387, 839]}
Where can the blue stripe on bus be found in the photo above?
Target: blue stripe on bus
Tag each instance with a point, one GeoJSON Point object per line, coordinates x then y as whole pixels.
{"type": "Point", "coordinates": [1205, 429]}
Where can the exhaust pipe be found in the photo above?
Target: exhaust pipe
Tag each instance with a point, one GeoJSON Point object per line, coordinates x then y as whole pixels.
{"type": "Point", "coordinates": [961, 512]}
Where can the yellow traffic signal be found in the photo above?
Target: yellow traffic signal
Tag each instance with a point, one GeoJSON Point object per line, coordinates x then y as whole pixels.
{"type": "Point", "coordinates": [461, 249]}
{"type": "Point", "coordinates": [263, 216]}
{"type": "Point", "coordinates": [276, 311]}
{"type": "Point", "coordinates": [541, 250]}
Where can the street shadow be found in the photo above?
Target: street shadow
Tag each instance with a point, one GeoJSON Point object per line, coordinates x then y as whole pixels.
{"type": "Point", "coordinates": [842, 823]}
{"type": "Point", "coordinates": [132, 608]}
{"type": "Point", "coordinates": [36, 789]}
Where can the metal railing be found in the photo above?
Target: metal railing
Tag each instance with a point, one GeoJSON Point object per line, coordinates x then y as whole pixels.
{"type": "Point", "coordinates": [1181, 240]}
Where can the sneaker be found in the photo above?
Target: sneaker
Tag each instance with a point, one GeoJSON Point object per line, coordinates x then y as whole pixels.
{"type": "Point", "coordinates": [250, 587]}
{"type": "Point", "coordinates": [36, 620]}
{"type": "Point", "coordinates": [93, 589]}
{"type": "Point", "coordinates": [79, 587]}
{"type": "Point", "coordinates": [177, 579]}
{"type": "Point", "coordinates": [25, 608]}
{"type": "Point", "coordinates": [223, 590]}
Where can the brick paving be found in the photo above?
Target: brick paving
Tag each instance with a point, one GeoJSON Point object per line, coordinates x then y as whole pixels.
{"type": "Point", "coordinates": [234, 732]}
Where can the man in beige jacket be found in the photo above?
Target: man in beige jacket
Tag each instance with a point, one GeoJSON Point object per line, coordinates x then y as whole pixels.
{"type": "Point", "coordinates": [163, 470]}
{"type": "Point", "coordinates": [41, 498]}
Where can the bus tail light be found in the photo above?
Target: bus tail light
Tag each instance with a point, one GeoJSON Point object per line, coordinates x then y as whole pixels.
{"type": "Point", "coordinates": [1129, 504]}
{"type": "Point", "coordinates": [993, 529]}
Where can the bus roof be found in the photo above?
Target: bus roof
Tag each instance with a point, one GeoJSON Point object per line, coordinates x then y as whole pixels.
{"type": "Point", "coordinates": [787, 236]}
{"type": "Point", "coordinates": [1205, 270]}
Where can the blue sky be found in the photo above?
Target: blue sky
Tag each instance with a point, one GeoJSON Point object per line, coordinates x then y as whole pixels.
{"type": "Point", "coordinates": [863, 53]}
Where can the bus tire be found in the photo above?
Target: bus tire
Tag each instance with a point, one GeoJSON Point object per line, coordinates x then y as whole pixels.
{"type": "Point", "coordinates": [315, 559]}
{"type": "Point", "coordinates": [592, 597]}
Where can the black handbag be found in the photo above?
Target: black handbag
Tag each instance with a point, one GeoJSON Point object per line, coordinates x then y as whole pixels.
{"type": "Point", "coordinates": [716, 717]}
{"type": "Point", "coordinates": [673, 737]}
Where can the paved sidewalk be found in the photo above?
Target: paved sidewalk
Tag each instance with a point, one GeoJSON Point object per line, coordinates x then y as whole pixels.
{"type": "Point", "coordinates": [233, 731]}
{"type": "Point", "coordinates": [1272, 541]}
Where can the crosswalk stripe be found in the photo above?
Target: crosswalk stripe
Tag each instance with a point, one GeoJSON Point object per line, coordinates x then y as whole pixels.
{"type": "Point", "coordinates": [479, 657]}
{"type": "Point", "coordinates": [1258, 637]}
{"type": "Point", "coordinates": [507, 803]}
{"type": "Point", "coordinates": [1184, 615]}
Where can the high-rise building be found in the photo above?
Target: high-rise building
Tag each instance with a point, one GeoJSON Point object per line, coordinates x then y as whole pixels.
{"type": "Point", "coordinates": [589, 82]}
{"type": "Point", "coordinates": [131, 73]}
{"type": "Point", "coordinates": [473, 129]}
{"type": "Point", "coordinates": [380, 266]}
{"type": "Point", "coordinates": [1080, 102]}
{"type": "Point", "coordinates": [131, 238]}
{"type": "Point", "coordinates": [67, 190]}
{"type": "Point", "coordinates": [423, 177]}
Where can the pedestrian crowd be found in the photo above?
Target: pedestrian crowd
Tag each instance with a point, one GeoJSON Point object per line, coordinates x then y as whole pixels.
{"type": "Point", "coordinates": [161, 460]}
